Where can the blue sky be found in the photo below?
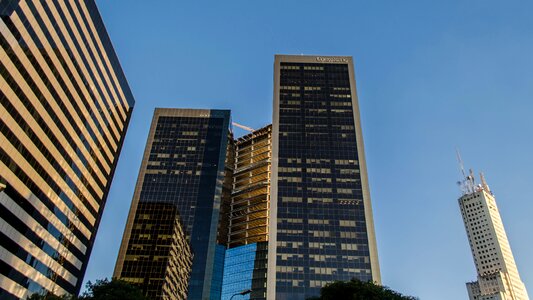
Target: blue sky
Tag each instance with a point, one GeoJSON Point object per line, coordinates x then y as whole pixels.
{"type": "Point", "coordinates": [431, 76]}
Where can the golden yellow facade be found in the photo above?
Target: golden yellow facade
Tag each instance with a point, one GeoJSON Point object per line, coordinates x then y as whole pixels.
{"type": "Point", "coordinates": [250, 199]}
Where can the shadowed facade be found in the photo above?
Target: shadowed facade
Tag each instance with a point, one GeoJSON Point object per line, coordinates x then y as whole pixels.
{"type": "Point", "coordinates": [184, 166]}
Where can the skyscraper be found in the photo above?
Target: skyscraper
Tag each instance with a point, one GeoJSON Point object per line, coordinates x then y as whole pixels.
{"type": "Point", "coordinates": [64, 109]}
{"type": "Point", "coordinates": [187, 167]}
{"type": "Point", "coordinates": [321, 227]}
{"type": "Point", "coordinates": [245, 266]}
{"type": "Point", "coordinates": [291, 203]}
{"type": "Point", "coordinates": [497, 274]}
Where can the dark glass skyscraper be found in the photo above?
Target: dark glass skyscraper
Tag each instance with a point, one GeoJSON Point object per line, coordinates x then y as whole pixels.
{"type": "Point", "coordinates": [64, 109]}
{"type": "Point", "coordinates": [290, 201]}
{"type": "Point", "coordinates": [322, 228]}
{"type": "Point", "coordinates": [188, 165]}
{"type": "Point", "coordinates": [159, 257]}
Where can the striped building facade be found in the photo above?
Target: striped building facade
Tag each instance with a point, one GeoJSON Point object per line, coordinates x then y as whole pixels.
{"type": "Point", "coordinates": [64, 109]}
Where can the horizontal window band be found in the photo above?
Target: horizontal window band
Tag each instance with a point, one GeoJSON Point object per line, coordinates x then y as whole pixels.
{"type": "Point", "coordinates": [10, 290]}
{"type": "Point", "coordinates": [15, 222]}
{"type": "Point", "coordinates": [22, 94]}
{"type": "Point", "coordinates": [24, 272]}
{"type": "Point", "coordinates": [21, 253]}
{"type": "Point", "coordinates": [106, 82]}
{"type": "Point", "coordinates": [60, 79]}
{"type": "Point", "coordinates": [66, 156]}
{"type": "Point", "coordinates": [79, 211]}
{"type": "Point", "coordinates": [39, 17]}
{"type": "Point", "coordinates": [36, 190]}
{"type": "Point", "coordinates": [100, 39]}
{"type": "Point", "coordinates": [52, 159]}
{"type": "Point", "coordinates": [43, 172]}
{"type": "Point", "coordinates": [45, 223]}
{"type": "Point", "coordinates": [19, 279]}
{"type": "Point", "coordinates": [34, 112]}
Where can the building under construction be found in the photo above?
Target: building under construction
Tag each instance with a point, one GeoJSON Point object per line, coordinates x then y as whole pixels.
{"type": "Point", "coordinates": [245, 265]}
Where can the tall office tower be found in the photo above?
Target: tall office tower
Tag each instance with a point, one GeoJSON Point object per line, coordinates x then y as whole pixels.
{"type": "Point", "coordinates": [323, 229]}
{"type": "Point", "coordinates": [186, 165]}
{"type": "Point", "coordinates": [497, 275]}
{"type": "Point", "coordinates": [245, 266]}
{"type": "Point", "coordinates": [64, 109]}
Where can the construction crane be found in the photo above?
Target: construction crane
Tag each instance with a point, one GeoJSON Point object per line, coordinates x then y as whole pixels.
{"type": "Point", "coordinates": [243, 127]}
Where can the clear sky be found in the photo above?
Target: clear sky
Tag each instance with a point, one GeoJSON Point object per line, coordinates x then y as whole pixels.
{"type": "Point", "coordinates": [431, 76]}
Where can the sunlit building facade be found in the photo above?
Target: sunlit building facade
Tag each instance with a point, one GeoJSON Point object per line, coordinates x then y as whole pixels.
{"type": "Point", "coordinates": [159, 257]}
{"type": "Point", "coordinates": [64, 109]}
{"type": "Point", "coordinates": [245, 265]}
{"type": "Point", "coordinates": [321, 227]}
{"type": "Point", "coordinates": [497, 274]}
{"type": "Point", "coordinates": [187, 167]}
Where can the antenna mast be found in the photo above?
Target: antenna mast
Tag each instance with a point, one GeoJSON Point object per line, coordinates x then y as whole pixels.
{"type": "Point", "coordinates": [484, 183]}
{"type": "Point", "coordinates": [466, 184]}
{"type": "Point", "coordinates": [461, 165]}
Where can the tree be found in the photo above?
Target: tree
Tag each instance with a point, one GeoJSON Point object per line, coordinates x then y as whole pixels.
{"type": "Point", "coordinates": [358, 290]}
{"type": "Point", "coordinates": [49, 296]}
{"type": "Point", "coordinates": [100, 290]}
{"type": "Point", "coordinates": [112, 290]}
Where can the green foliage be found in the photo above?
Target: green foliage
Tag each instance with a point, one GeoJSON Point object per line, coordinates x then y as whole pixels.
{"type": "Point", "coordinates": [112, 290]}
{"type": "Point", "coordinates": [100, 290]}
{"type": "Point", "coordinates": [49, 296]}
{"type": "Point", "coordinates": [358, 290]}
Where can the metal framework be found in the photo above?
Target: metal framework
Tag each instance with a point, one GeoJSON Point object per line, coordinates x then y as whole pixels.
{"type": "Point", "coordinates": [250, 199]}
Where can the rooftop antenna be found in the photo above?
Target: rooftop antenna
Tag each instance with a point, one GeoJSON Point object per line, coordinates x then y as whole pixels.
{"type": "Point", "coordinates": [467, 183]}
{"type": "Point", "coordinates": [484, 183]}
{"type": "Point", "coordinates": [461, 165]}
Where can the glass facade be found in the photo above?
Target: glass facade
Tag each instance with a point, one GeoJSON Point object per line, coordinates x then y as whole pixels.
{"type": "Point", "coordinates": [159, 257]}
{"type": "Point", "coordinates": [64, 109]}
{"type": "Point", "coordinates": [184, 165]}
{"type": "Point", "coordinates": [322, 208]}
{"type": "Point", "coordinates": [238, 270]}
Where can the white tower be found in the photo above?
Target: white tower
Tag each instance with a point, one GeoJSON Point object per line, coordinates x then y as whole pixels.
{"type": "Point", "coordinates": [497, 275]}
